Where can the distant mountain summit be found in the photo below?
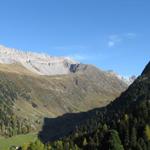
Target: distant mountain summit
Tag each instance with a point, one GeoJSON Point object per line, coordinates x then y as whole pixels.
{"type": "Point", "coordinates": [41, 64]}
{"type": "Point", "coordinates": [127, 80]}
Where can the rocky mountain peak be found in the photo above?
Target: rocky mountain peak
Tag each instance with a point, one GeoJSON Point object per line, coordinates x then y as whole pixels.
{"type": "Point", "coordinates": [41, 64]}
{"type": "Point", "coordinates": [128, 80]}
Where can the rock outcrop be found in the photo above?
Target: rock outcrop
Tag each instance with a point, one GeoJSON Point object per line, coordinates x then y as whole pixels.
{"type": "Point", "coordinates": [41, 64]}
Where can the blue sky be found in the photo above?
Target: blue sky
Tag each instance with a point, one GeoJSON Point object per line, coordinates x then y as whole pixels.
{"type": "Point", "coordinates": [111, 34]}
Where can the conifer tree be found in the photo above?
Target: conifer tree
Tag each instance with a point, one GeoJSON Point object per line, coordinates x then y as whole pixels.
{"type": "Point", "coordinates": [133, 137]}
{"type": "Point", "coordinates": [147, 132]}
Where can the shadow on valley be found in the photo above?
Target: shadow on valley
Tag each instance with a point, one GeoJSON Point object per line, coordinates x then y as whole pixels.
{"type": "Point", "coordinates": [55, 128]}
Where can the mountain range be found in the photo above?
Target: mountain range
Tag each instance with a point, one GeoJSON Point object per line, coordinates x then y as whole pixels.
{"type": "Point", "coordinates": [35, 86]}
{"type": "Point", "coordinates": [43, 64]}
{"type": "Point", "coordinates": [123, 124]}
{"type": "Point", "coordinates": [72, 105]}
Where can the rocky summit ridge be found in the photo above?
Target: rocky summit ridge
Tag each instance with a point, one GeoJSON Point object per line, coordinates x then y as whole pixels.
{"type": "Point", "coordinates": [41, 64]}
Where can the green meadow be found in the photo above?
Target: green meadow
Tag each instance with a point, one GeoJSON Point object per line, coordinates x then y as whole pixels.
{"type": "Point", "coordinates": [6, 143]}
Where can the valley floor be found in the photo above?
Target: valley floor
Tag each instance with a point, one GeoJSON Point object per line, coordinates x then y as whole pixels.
{"type": "Point", "coordinates": [6, 143]}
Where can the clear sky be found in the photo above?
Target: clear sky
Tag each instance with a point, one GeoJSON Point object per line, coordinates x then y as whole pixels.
{"type": "Point", "coordinates": [111, 34]}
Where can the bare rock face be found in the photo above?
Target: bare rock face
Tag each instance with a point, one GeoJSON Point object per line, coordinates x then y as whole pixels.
{"type": "Point", "coordinates": [42, 64]}
{"type": "Point", "coordinates": [38, 63]}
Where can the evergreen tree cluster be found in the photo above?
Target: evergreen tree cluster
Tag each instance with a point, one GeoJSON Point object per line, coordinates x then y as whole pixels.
{"type": "Point", "coordinates": [10, 124]}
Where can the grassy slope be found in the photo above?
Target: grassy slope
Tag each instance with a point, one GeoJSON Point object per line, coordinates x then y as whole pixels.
{"type": "Point", "coordinates": [5, 144]}
{"type": "Point", "coordinates": [38, 97]}
{"type": "Point", "coordinates": [71, 93]}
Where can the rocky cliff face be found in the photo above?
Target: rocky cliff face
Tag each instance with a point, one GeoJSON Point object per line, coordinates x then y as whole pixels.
{"type": "Point", "coordinates": [42, 64]}
{"type": "Point", "coordinates": [38, 63]}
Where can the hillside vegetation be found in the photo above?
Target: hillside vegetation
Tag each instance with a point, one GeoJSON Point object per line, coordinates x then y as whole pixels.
{"type": "Point", "coordinates": [26, 98]}
{"type": "Point", "coordinates": [122, 125]}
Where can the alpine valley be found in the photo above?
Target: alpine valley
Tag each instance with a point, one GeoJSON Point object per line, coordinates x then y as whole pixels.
{"type": "Point", "coordinates": [37, 86]}
{"type": "Point", "coordinates": [123, 124]}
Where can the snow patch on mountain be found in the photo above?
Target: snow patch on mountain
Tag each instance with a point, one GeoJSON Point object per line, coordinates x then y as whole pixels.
{"type": "Point", "coordinates": [127, 80]}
